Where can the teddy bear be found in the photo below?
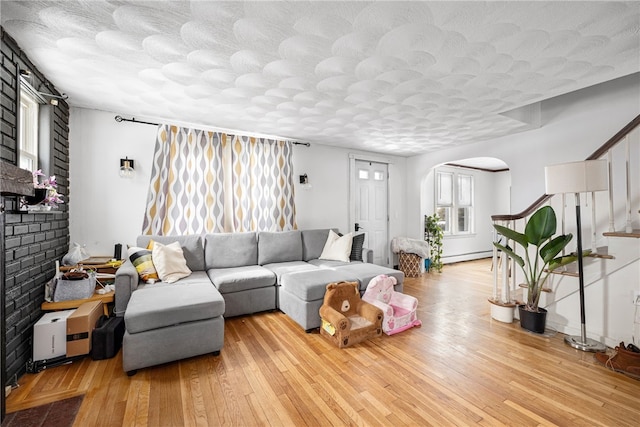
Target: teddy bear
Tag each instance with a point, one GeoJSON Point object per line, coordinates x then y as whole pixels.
{"type": "Point", "coordinates": [399, 309]}
{"type": "Point", "coordinates": [346, 319]}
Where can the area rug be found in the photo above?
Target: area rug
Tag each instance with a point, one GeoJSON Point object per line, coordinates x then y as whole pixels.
{"type": "Point", "coordinates": [57, 414]}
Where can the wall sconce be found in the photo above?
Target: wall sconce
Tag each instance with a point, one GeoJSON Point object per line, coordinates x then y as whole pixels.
{"type": "Point", "coordinates": [126, 168]}
{"type": "Point", "coordinates": [304, 181]}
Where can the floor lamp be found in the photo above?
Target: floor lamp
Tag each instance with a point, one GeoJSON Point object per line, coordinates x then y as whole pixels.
{"type": "Point", "coordinates": [578, 177]}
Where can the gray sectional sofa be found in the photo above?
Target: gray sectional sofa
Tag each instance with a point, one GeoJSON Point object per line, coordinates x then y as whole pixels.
{"type": "Point", "coordinates": [232, 274]}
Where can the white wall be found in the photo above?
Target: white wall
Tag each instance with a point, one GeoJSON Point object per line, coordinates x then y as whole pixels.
{"type": "Point", "coordinates": [573, 126]}
{"type": "Point", "coordinates": [107, 209]}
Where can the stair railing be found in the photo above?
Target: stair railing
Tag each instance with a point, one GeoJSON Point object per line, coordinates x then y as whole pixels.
{"type": "Point", "coordinates": [504, 280]}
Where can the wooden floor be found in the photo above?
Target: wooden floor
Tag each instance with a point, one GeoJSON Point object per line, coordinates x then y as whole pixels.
{"type": "Point", "coordinates": [459, 368]}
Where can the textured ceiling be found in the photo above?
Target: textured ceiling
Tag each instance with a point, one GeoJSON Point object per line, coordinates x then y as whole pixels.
{"type": "Point", "coordinates": [391, 77]}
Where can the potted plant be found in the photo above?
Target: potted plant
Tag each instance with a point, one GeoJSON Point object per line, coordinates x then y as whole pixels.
{"type": "Point", "coordinates": [433, 236]}
{"type": "Point", "coordinates": [538, 232]}
{"type": "Point", "coordinates": [46, 195]}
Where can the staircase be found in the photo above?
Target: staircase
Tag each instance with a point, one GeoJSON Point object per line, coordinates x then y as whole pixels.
{"type": "Point", "coordinates": [611, 230]}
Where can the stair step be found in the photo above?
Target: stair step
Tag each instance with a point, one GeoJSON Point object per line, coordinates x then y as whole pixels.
{"type": "Point", "coordinates": [600, 255]}
{"type": "Point", "coordinates": [565, 273]}
{"type": "Point", "coordinates": [635, 234]}
{"type": "Point", "coordinates": [524, 285]}
{"type": "Point", "coordinates": [502, 304]}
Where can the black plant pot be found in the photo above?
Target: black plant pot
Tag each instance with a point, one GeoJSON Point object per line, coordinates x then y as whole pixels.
{"type": "Point", "coordinates": [531, 320]}
{"type": "Point", "coordinates": [39, 195]}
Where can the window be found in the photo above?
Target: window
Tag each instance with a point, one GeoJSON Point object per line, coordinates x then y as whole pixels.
{"type": "Point", "coordinates": [28, 131]}
{"type": "Point", "coordinates": [454, 202]}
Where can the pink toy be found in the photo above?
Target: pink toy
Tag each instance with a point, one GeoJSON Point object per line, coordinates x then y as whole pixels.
{"type": "Point", "coordinates": [399, 309]}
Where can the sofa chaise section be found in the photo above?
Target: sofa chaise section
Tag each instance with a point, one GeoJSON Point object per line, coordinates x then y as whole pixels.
{"type": "Point", "coordinates": [172, 323]}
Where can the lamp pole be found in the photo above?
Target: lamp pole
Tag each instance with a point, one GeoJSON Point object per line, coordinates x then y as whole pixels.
{"type": "Point", "coordinates": [582, 342]}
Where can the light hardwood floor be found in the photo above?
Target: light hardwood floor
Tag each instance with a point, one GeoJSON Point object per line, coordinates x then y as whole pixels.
{"type": "Point", "coordinates": [459, 368]}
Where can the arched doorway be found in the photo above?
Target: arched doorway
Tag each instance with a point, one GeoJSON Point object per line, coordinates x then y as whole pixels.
{"type": "Point", "coordinates": [465, 193]}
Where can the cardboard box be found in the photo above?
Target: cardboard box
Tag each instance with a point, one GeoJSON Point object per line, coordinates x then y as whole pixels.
{"type": "Point", "coordinates": [50, 335]}
{"type": "Point", "coordinates": [80, 326]}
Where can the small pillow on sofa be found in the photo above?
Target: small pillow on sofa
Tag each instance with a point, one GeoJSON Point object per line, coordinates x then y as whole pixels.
{"type": "Point", "coordinates": [142, 260]}
{"type": "Point", "coordinates": [356, 247]}
{"type": "Point", "coordinates": [337, 248]}
{"type": "Point", "coordinates": [169, 261]}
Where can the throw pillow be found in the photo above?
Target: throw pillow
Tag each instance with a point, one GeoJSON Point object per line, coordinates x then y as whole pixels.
{"type": "Point", "coordinates": [356, 247]}
{"type": "Point", "coordinates": [169, 261]}
{"type": "Point", "coordinates": [337, 248]}
{"type": "Point", "coordinates": [141, 259]}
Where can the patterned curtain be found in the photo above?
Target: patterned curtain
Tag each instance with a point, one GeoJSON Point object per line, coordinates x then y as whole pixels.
{"type": "Point", "coordinates": [262, 185]}
{"type": "Point", "coordinates": [205, 182]}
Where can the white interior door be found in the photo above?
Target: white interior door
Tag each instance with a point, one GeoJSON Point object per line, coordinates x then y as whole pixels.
{"type": "Point", "coordinates": [371, 207]}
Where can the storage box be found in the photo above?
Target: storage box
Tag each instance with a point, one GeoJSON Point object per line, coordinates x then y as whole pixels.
{"type": "Point", "coordinates": [66, 290]}
{"type": "Point", "coordinates": [80, 326]}
{"type": "Point", "coordinates": [50, 335]}
{"type": "Point", "coordinates": [410, 264]}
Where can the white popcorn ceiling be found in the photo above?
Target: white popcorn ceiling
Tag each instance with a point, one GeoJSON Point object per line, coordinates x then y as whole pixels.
{"type": "Point", "coordinates": [391, 77]}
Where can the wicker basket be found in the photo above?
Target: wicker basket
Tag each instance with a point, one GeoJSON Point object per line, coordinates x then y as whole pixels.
{"type": "Point", "coordinates": [409, 264]}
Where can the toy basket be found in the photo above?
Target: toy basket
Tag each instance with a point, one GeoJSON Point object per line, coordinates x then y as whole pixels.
{"type": "Point", "coordinates": [409, 264]}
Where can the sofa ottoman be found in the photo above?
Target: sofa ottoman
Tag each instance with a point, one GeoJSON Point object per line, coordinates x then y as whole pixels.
{"type": "Point", "coordinates": [301, 294]}
{"type": "Point", "coordinates": [171, 323]}
{"type": "Point", "coordinates": [364, 272]}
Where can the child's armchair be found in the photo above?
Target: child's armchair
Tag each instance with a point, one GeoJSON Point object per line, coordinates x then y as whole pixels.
{"type": "Point", "coordinates": [346, 319]}
{"type": "Point", "coordinates": [399, 309]}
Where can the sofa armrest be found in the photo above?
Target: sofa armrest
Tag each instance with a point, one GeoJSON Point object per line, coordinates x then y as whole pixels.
{"type": "Point", "coordinates": [338, 320]}
{"type": "Point", "coordinates": [126, 282]}
{"type": "Point", "coordinates": [371, 313]}
{"type": "Point", "coordinates": [367, 255]}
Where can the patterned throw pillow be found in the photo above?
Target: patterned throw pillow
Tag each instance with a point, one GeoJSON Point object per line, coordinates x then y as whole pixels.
{"type": "Point", "coordinates": [356, 247]}
{"type": "Point", "coordinates": [141, 260]}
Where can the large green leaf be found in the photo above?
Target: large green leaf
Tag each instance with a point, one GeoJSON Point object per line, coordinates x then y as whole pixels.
{"type": "Point", "coordinates": [510, 252]}
{"type": "Point", "coordinates": [541, 226]}
{"type": "Point", "coordinates": [554, 247]}
{"type": "Point", "coordinates": [512, 235]}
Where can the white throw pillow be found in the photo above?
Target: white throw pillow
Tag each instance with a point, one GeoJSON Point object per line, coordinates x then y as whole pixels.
{"type": "Point", "coordinates": [337, 248]}
{"type": "Point", "coordinates": [169, 262]}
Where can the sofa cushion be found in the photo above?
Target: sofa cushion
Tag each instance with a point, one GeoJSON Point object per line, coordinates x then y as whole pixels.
{"type": "Point", "coordinates": [142, 260]}
{"type": "Point", "coordinates": [312, 285]}
{"type": "Point", "coordinates": [365, 271]}
{"type": "Point", "coordinates": [281, 268]}
{"type": "Point", "coordinates": [152, 308]}
{"type": "Point", "coordinates": [238, 279]}
{"type": "Point", "coordinates": [281, 246]}
{"type": "Point", "coordinates": [337, 248]}
{"type": "Point", "coordinates": [169, 262]}
{"type": "Point", "coordinates": [357, 246]}
{"type": "Point", "coordinates": [192, 248]}
{"type": "Point", "coordinates": [313, 242]}
{"type": "Point", "coordinates": [222, 250]}
{"type": "Point", "coordinates": [327, 263]}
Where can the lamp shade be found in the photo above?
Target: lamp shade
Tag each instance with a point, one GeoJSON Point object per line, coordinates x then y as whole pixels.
{"type": "Point", "coordinates": [576, 177]}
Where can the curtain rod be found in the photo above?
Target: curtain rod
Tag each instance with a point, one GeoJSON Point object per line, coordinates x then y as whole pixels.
{"type": "Point", "coordinates": [133, 120]}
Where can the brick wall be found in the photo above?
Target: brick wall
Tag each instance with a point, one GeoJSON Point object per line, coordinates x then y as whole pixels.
{"type": "Point", "coordinates": [32, 242]}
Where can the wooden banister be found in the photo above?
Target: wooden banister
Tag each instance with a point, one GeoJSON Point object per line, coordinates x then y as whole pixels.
{"type": "Point", "coordinates": [615, 139]}
{"type": "Point", "coordinates": [596, 155]}
{"type": "Point", "coordinates": [528, 211]}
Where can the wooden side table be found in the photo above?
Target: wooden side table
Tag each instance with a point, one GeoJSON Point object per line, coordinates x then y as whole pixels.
{"type": "Point", "coordinates": [106, 299]}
